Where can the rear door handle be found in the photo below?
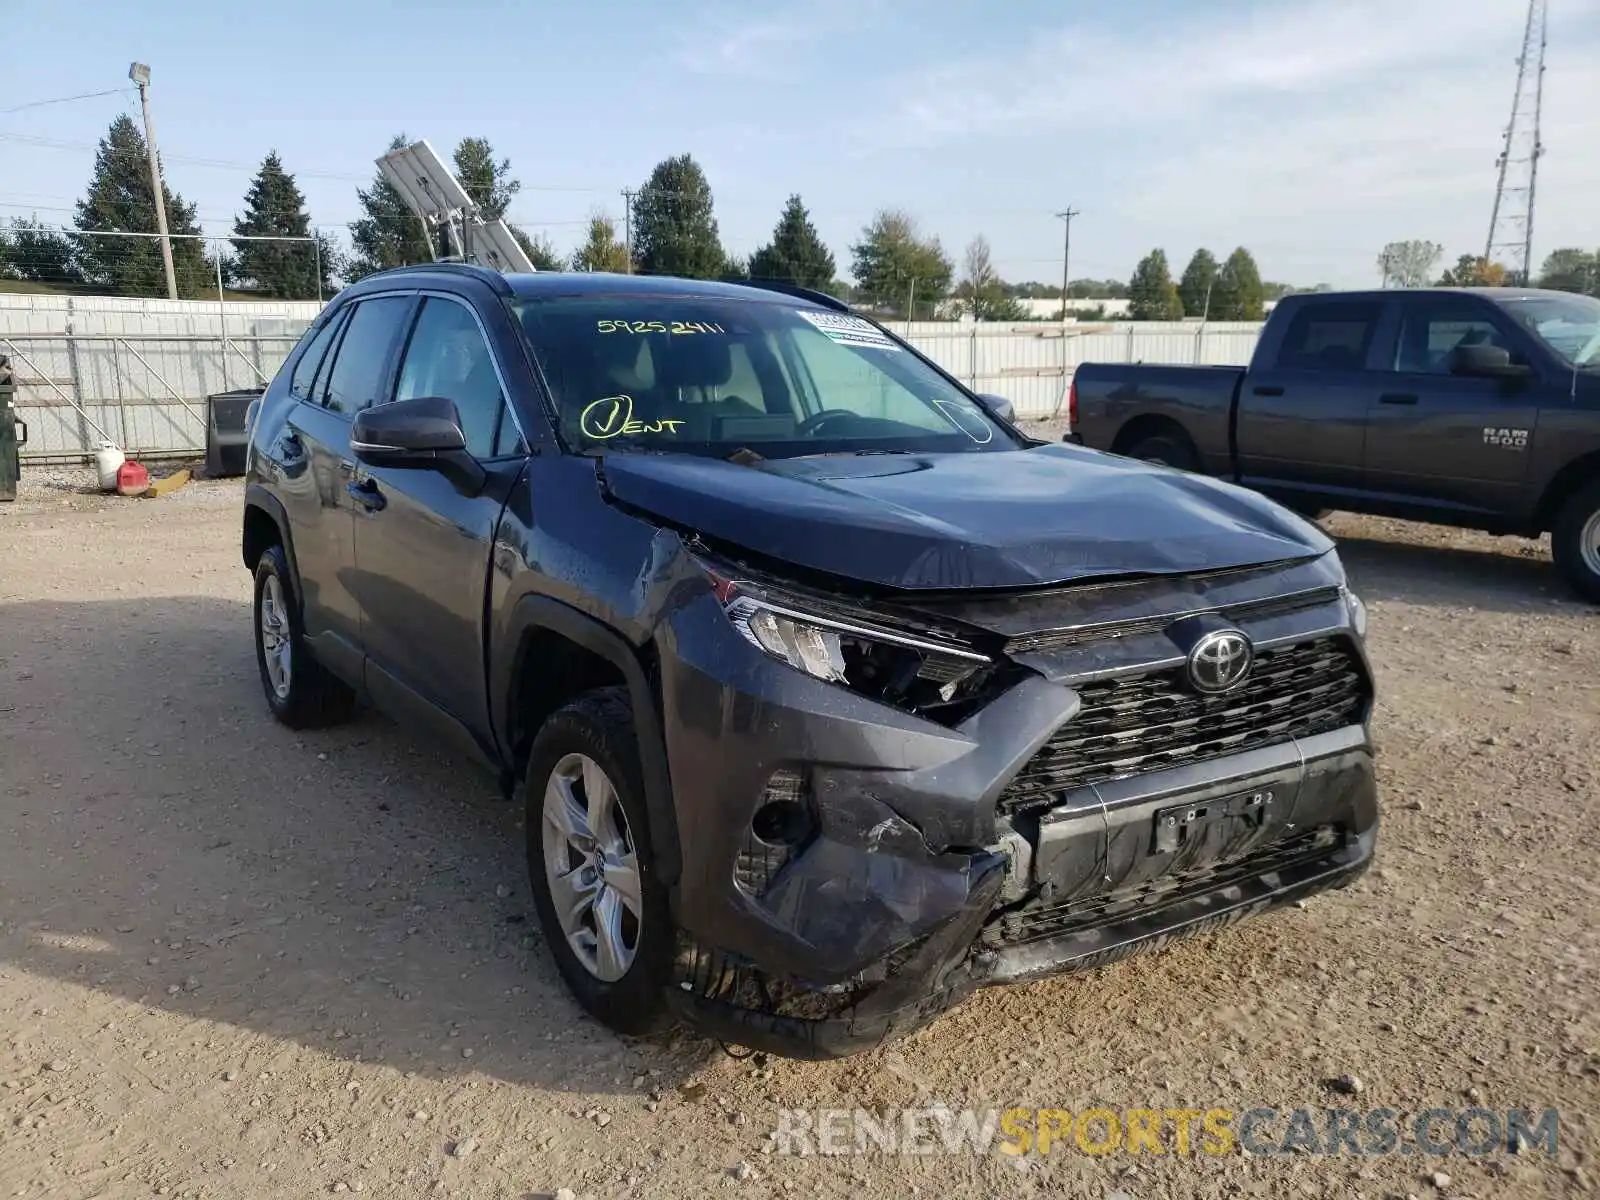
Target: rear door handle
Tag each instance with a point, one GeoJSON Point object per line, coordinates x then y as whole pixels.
{"type": "Point", "coordinates": [1268, 390]}
{"type": "Point", "coordinates": [1397, 398]}
{"type": "Point", "coordinates": [291, 447]}
{"type": "Point", "coordinates": [365, 492]}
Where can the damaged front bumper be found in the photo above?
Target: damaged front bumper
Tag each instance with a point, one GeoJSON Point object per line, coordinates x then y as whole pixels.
{"type": "Point", "coordinates": [915, 881]}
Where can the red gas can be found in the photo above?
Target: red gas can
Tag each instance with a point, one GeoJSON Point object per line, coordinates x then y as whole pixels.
{"type": "Point", "coordinates": [132, 479]}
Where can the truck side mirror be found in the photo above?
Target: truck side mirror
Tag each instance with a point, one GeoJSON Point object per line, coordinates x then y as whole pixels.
{"type": "Point", "coordinates": [1492, 362]}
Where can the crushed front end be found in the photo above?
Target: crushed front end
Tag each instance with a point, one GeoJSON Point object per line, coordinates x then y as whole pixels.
{"type": "Point", "coordinates": [1020, 785]}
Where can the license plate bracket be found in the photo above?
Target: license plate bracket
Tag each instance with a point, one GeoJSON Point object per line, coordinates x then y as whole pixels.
{"type": "Point", "coordinates": [1178, 826]}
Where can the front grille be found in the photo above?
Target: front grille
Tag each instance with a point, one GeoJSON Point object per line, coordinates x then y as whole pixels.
{"type": "Point", "coordinates": [1254, 610]}
{"type": "Point", "coordinates": [1150, 722]}
{"type": "Point", "coordinates": [1091, 912]}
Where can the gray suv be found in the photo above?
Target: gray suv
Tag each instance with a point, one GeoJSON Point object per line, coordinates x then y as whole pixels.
{"type": "Point", "coordinates": [832, 696]}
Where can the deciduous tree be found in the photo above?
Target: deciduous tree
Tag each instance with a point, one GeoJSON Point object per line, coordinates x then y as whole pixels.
{"type": "Point", "coordinates": [1238, 294]}
{"type": "Point", "coordinates": [981, 292]}
{"type": "Point", "coordinates": [896, 267]}
{"type": "Point", "coordinates": [601, 251]}
{"type": "Point", "coordinates": [1572, 270]}
{"type": "Point", "coordinates": [1408, 264]}
{"type": "Point", "coordinates": [1199, 277]}
{"type": "Point", "coordinates": [1153, 294]}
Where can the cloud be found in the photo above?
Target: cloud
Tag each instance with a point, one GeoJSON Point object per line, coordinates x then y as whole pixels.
{"type": "Point", "coordinates": [1311, 132]}
{"type": "Point", "coordinates": [743, 45]}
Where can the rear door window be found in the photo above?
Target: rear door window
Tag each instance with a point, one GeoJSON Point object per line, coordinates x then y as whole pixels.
{"type": "Point", "coordinates": [360, 367]}
{"type": "Point", "coordinates": [1330, 336]}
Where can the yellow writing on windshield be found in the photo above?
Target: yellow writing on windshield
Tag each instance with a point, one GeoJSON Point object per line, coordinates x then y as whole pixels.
{"type": "Point", "coordinates": [612, 416]}
{"type": "Point", "coordinates": [678, 327]}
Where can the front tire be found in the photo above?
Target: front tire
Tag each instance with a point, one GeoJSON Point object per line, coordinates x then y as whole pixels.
{"type": "Point", "coordinates": [300, 691]}
{"type": "Point", "coordinates": [1575, 542]}
{"type": "Point", "coordinates": [603, 910]}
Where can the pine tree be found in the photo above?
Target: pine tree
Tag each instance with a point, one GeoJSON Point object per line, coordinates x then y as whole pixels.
{"type": "Point", "coordinates": [1194, 289]}
{"type": "Point", "coordinates": [1238, 294]}
{"type": "Point", "coordinates": [390, 234]}
{"type": "Point", "coordinates": [601, 251]}
{"type": "Point", "coordinates": [674, 228]}
{"type": "Point", "coordinates": [1153, 294]}
{"type": "Point", "coordinates": [795, 254]}
{"type": "Point", "coordinates": [275, 207]}
{"type": "Point", "coordinates": [120, 200]}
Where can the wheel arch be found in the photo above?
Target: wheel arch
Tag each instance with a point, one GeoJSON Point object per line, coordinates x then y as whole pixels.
{"type": "Point", "coordinates": [553, 652]}
{"type": "Point", "coordinates": [265, 524]}
{"type": "Point", "coordinates": [1148, 425]}
{"type": "Point", "coordinates": [1567, 482]}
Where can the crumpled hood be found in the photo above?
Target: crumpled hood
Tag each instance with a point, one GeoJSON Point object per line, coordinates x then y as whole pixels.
{"type": "Point", "coordinates": [1045, 515]}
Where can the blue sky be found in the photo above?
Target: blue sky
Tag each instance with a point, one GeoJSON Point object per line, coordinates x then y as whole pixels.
{"type": "Point", "coordinates": [1311, 131]}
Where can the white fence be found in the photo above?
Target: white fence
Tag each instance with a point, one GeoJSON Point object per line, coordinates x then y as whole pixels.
{"type": "Point", "coordinates": [137, 372]}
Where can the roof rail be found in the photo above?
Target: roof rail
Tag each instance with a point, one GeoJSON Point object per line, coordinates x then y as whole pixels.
{"type": "Point", "coordinates": [803, 293]}
{"type": "Point", "coordinates": [493, 278]}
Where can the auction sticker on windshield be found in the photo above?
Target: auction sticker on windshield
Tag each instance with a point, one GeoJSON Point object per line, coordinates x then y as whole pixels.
{"type": "Point", "coordinates": [849, 331]}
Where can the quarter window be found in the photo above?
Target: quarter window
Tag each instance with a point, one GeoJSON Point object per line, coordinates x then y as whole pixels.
{"type": "Point", "coordinates": [305, 368]}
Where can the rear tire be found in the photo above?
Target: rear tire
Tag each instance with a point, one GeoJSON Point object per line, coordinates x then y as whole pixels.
{"type": "Point", "coordinates": [1575, 542]}
{"type": "Point", "coordinates": [300, 691]}
{"type": "Point", "coordinates": [1167, 449]}
{"type": "Point", "coordinates": [602, 907]}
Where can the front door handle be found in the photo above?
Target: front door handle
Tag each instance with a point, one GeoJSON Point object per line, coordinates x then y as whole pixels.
{"type": "Point", "coordinates": [1268, 390]}
{"type": "Point", "coordinates": [366, 493]}
{"type": "Point", "coordinates": [1397, 398]}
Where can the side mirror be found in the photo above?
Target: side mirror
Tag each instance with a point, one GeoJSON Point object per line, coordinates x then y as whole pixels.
{"type": "Point", "coordinates": [998, 407]}
{"type": "Point", "coordinates": [1493, 362]}
{"type": "Point", "coordinates": [421, 433]}
{"type": "Point", "coordinates": [407, 433]}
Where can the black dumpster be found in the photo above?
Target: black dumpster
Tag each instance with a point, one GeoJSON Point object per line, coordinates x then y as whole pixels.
{"type": "Point", "coordinates": [13, 433]}
{"type": "Point", "coordinates": [226, 437]}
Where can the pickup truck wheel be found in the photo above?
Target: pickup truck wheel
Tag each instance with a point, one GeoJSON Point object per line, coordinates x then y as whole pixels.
{"type": "Point", "coordinates": [300, 691]}
{"type": "Point", "coordinates": [603, 910]}
{"type": "Point", "coordinates": [1167, 450]}
{"type": "Point", "coordinates": [1575, 542]}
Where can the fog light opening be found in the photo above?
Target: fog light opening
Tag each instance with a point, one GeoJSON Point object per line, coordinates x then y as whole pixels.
{"type": "Point", "coordinates": [781, 823]}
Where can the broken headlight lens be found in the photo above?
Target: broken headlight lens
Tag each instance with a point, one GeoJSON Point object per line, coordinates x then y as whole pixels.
{"type": "Point", "coordinates": [898, 666]}
{"type": "Point", "coordinates": [1358, 612]}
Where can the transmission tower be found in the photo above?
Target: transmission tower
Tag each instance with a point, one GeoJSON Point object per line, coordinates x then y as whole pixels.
{"type": "Point", "coordinates": [1511, 222]}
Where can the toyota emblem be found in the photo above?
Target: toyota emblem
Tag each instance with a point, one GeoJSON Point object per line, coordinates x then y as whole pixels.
{"type": "Point", "coordinates": [1220, 661]}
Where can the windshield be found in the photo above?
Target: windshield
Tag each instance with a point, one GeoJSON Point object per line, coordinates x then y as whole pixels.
{"type": "Point", "coordinates": [708, 375]}
{"type": "Point", "coordinates": [1569, 325]}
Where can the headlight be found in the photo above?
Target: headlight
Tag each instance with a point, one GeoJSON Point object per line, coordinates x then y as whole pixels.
{"type": "Point", "coordinates": [895, 665]}
{"type": "Point", "coordinates": [1358, 612]}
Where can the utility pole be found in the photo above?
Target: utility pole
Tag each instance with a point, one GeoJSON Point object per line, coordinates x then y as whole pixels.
{"type": "Point", "coordinates": [627, 225]}
{"type": "Point", "coordinates": [140, 74]}
{"type": "Point", "coordinates": [1066, 258]}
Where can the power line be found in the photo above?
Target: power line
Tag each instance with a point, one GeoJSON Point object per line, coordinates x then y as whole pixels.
{"type": "Point", "coordinates": [67, 99]}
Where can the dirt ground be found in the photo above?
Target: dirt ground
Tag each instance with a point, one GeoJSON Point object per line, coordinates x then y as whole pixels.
{"type": "Point", "coordinates": [238, 962]}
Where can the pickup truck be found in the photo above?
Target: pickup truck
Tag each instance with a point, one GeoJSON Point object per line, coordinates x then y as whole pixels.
{"type": "Point", "coordinates": [831, 697]}
{"type": "Point", "coordinates": [1476, 407]}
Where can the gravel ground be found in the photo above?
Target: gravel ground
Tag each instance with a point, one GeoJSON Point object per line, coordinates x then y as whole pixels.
{"type": "Point", "coordinates": [240, 962]}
